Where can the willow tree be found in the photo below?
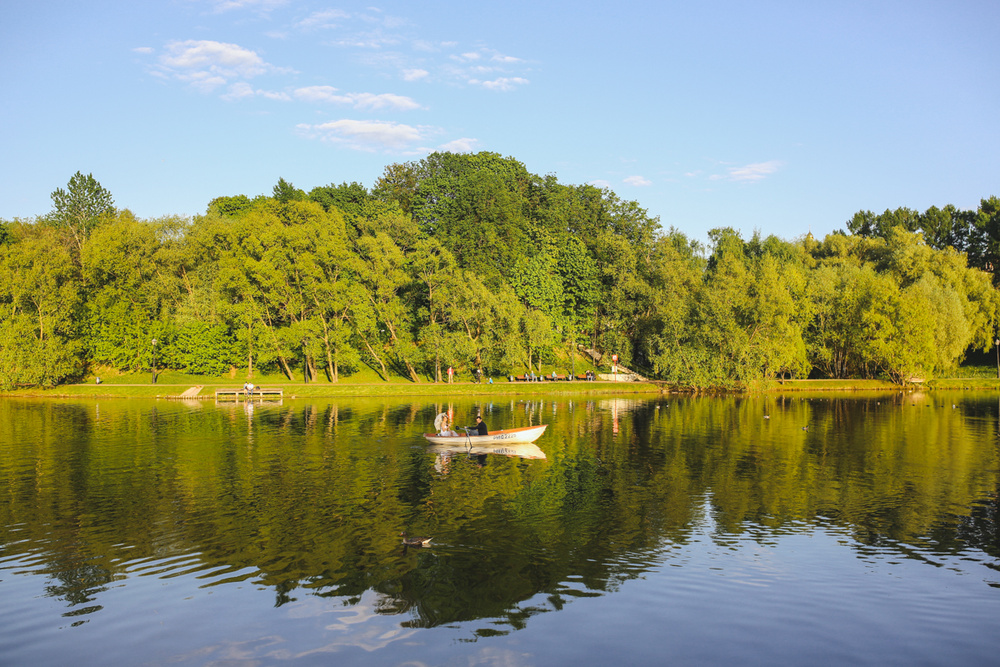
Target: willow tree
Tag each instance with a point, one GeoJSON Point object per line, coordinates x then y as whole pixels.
{"type": "Point", "coordinates": [131, 273]}
{"type": "Point", "coordinates": [40, 300]}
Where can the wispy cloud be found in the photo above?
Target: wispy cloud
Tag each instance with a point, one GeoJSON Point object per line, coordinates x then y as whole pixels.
{"type": "Point", "coordinates": [366, 135]}
{"type": "Point", "coordinates": [599, 183]}
{"type": "Point", "coordinates": [486, 68]}
{"type": "Point", "coordinates": [414, 74]}
{"type": "Point", "coordinates": [463, 145]}
{"type": "Point", "coordinates": [255, 5]}
{"type": "Point", "coordinates": [208, 65]}
{"type": "Point", "coordinates": [369, 101]}
{"type": "Point", "coordinates": [638, 181]}
{"type": "Point", "coordinates": [326, 19]}
{"type": "Point", "coordinates": [751, 172]}
{"type": "Point", "coordinates": [242, 90]}
{"type": "Point", "coordinates": [504, 83]}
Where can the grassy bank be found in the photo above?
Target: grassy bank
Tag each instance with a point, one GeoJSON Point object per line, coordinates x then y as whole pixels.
{"type": "Point", "coordinates": [329, 390]}
{"type": "Point", "coordinates": [832, 385]}
{"type": "Point", "coordinates": [171, 384]}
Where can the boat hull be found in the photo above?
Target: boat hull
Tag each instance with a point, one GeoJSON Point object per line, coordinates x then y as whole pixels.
{"type": "Point", "coordinates": [511, 436]}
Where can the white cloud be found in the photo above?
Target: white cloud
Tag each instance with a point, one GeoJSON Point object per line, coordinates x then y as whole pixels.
{"type": "Point", "coordinates": [329, 18]}
{"type": "Point", "coordinates": [600, 183]}
{"type": "Point", "coordinates": [143, 49]}
{"type": "Point", "coordinates": [382, 101]}
{"type": "Point", "coordinates": [207, 65]}
{"type": "Point", "coordinates": [369, 41]}
{"type": "Point", "coordinates": [261, 5]}
{"type": "Point", "coordinates": [463, 145]}
{"type": "Point", "coordinates": [366, 135]}
{"type": "Point", "coordinates": [754, 172]}
{"type": "Point", "coordinates": [638, 181]}
{"type": "Point", "coordinates": [504, 83]}
{"type": "Point", "coordinates": [356, 100]}
{"type": "Point", "coordinates": [239, 90]}
{"type": "Point", "coordinates": [507, 60]}
{"type": "Point", "coordinates": [414, 74]}
{"type": "Point", "coordinates": [203, 81]}
{"type": "Point", "coordinates": [242, 90]}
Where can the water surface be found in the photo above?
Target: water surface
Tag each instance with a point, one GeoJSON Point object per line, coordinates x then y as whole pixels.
{"type": "Point", "coordinates": [844, 529]}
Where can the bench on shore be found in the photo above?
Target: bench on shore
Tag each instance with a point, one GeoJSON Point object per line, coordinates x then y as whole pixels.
{"type": "Point", "coordinates": [555, 378]}
{"type": "Point", "coordinates": [238, 392]}
{"type": "Point", "coordinates": [525, 378]}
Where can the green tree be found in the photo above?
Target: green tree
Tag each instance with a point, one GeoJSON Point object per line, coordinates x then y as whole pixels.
{"type": "Point", "coordinates": [230, 206]}
{"type": "Point", "coordinates": [285, 192]}
{"type": "Point", "coordinates": [81, 207]}
{"type": "Point", "coordinates": [132, 287]}
{"type": "Point", "coordinates": [385, 322]}
{"type": "Point", "coordinates": [40, 300]}
{"type": "Point", "coordinates": [398, 185]}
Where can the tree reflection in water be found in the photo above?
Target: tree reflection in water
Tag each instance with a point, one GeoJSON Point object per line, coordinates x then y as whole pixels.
{"type": "Point", "coordinates": [308, 498]}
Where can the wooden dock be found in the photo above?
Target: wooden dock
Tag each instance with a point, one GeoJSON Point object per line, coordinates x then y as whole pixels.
{"type": "Point", "coordinates": [259, 392]}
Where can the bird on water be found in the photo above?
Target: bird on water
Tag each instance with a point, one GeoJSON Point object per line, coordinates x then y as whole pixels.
{"type": "Point", "coordinates": [415, 541]}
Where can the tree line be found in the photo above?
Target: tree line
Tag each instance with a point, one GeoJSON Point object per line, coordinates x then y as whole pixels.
{"type": "Point", "coordinates": [471, 261]}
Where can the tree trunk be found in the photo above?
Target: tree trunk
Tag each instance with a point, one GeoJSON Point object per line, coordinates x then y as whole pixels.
{"type": "Point", "coordinates": [250, 352]}
{"type": "Point", "coordinates": [385, 373]}
{"type": "Point", "coordinates": [285, 368]}
{"type": "Point", "coordinates": [413, 372]}
{"type": "Point", "coordinates": [406, 362]}
{"type": "Point", "coordinates": [331, 373]}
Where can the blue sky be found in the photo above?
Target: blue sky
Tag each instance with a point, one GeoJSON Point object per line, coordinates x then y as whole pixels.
{"type": "Point", "coordinates": [782, 117]}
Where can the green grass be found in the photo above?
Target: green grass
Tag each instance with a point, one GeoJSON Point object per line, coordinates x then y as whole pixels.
{"type": "Point", "coordinates": [367, 382]}
{"type": "Point", "coordinates": [329, 390]}
{"type": "Point", "coordinates": [987, 371]}
{"type": "Point", "coordinates": [832, 385]}
{"type": "Point", "coordinates": [964, 383]}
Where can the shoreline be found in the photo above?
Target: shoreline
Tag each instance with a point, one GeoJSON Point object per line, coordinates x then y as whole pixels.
{"type": "Point", "coordinates": [298, 390]}
{"type": "Point", "coordinates": [190, 391]}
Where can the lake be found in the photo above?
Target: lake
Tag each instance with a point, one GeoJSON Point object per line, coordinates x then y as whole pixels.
{"type": "Point", "coordinates": [850, 529]}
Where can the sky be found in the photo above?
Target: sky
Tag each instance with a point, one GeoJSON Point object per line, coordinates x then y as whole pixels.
{"type": "Point", "coordinates": [782, 118]}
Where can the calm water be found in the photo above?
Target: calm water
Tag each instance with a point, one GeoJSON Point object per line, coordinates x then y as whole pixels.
{"type": "Point", "coordinates": [825, 529]}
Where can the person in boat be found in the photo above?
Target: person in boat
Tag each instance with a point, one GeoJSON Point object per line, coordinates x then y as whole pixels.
{"type": "Point", "coordinates": [443, 425]}
{"type": "Point", "coordinates": [481, 426]}
{"type": "Point", "coordinates": [446, 429]}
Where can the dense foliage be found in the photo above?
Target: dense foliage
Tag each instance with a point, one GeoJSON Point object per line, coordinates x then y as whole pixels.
{"type": "Point", "coordinates": [471, 261]}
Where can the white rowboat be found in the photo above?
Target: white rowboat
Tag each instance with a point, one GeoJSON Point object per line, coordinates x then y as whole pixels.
{"type": "Point", "coordinates": [511, 436]}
